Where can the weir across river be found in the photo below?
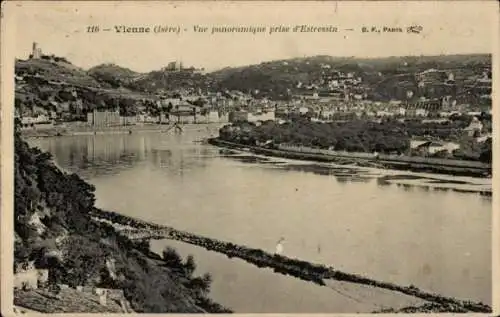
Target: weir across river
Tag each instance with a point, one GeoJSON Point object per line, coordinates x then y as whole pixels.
{"type": "Point", "coordinates": [136, 229]}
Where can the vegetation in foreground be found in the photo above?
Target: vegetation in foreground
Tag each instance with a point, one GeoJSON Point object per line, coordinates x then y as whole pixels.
{"type": "Point", "coordinates": [315, 273]}
{"type": "Point", "coordinates": [53, 229]}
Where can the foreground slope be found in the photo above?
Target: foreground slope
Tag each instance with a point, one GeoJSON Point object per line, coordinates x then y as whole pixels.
{"type": "Point", "coordinates": [54, 231]}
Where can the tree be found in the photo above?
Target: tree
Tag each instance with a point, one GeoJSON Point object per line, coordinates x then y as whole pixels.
{"type": "Point", "coordinates": [207, 280]}
{"type": "Point", "coordinates": [201, 285]}
{"type": "Point", "coordinates": [172, 258]}
{"type": "Point", "coordinates": [189, 266]}
{"type": "Point", "coordinates": [22, 252]}
{"type": "Point", "coordinates": [143, 245]}
{"type": "Point", "coordinates": [486, 151]}
{"type": "Point", "coordinates": [84, 259]}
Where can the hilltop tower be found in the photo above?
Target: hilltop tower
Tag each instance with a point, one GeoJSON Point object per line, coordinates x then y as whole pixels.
{"type": "Point", "coordinates": [174, 66]}
{"type": "Point", "coordinates": [36, 51]}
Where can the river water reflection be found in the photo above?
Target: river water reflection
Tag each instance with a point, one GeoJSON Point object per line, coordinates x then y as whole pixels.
{"type": "Point", "coordinates": [354, 220]}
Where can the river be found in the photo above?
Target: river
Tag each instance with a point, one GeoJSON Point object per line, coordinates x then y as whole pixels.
{"type": "Point", "coordinates": [408, 229]}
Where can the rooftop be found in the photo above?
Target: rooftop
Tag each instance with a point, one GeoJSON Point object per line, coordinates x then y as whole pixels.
{"type": "Point", "coordinates": [67, 301]}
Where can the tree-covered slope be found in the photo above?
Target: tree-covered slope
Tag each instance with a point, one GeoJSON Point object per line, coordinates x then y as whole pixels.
{"type": "Point", "coordinates": [282, 78]}
{"type": "Point", "coordinates": [54, 229]}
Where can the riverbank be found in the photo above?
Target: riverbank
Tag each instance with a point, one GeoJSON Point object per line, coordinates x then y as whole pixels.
{"type": "Point", "coordinates": [406, 163]}
{"type": "Point", "coordinates": [70, 130]}
{"type": "Point", "coordinates": [75, 251]}
{"type": "Point", "coordinates": [74, 129]}
{"type": "Point", "coordinates": [315, 273]}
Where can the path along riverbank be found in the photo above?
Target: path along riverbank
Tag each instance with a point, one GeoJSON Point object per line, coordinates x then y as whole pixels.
{"type": "Point", "coordinates": [407, 163]}
{"type": "Point", "coordinates": [316, 273]}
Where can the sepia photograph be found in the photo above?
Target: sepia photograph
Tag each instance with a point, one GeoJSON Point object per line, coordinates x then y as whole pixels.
{"type": "Point", "coordinates": [328, 157]}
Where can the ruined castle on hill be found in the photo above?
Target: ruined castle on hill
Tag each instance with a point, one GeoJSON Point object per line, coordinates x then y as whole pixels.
{"type": "Point", "coordinates": [36, 52]}
{"type": "Point", "coordinates": [178, 66]}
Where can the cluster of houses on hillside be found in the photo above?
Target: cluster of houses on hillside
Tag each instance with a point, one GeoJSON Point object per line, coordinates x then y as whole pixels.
{"type": "Point", "coordinates": [224, 106]}
{"type": "Point", "coordinates": [461, 83]}
{"type": "Point", "coordinates": [325, 108]}
{"type": "Point", "coordinates": [334, 95]}
{"type": "Point", "coordinates": [222, 110]}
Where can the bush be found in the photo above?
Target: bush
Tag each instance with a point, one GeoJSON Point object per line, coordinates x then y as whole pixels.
{"type": "Point", "coordinates": [189, 266]}
{"type": "Point", "coordinates": [172, 258]}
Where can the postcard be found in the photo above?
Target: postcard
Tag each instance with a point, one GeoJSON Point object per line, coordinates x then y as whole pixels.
{"type": "Point", "coordinates": [289, 157]}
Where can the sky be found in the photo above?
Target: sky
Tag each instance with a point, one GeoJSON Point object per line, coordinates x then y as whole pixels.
{"type": "Point", "coordinates": [60, 28]}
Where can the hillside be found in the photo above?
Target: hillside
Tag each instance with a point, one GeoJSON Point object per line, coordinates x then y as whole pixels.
{"type": "Point", "coordinates": [162, 80]}
{"type": "Point", "coordinates": [112, 74]}
{"type": "Point", "coordinates": [54, 231]}
{"type": "Point", "coordinates": [54, 84]}
{"type": "Point", "coordinates": [388, 65]}
{"type": "Point", "coordinates": [48, 86]}
{"type": "Point", "coordinates": [45, 86]}
{"type": "Point", "coordinates": [60, 72]}
{"type": "Point", "coordinates": [282, 78]}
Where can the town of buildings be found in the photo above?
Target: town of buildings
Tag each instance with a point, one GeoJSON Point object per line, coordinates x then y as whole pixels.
{"type": "Point", "coordinates": [313, 105]}
{"type": "Point", "coordinates": [334, 95]}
